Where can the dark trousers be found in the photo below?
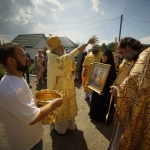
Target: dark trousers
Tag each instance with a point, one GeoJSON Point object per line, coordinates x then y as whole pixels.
{"type": "Point", "coordinates": [38, 146]}
{"type": "Point", "coordinates": [45, 73]}
{"type": "Point", "coordinates": [27, 76]}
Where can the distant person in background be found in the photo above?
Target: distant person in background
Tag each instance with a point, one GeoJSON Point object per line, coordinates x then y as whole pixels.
{"type": "Point", "coordinates": [100, 103]}
{"type": "Point", "coordinates": [78, 69]}
{"type": "Point", "coordinates": [29, 64]}
{"type": "Point", "coordinates": [82, 60]}
{"type": "Point", "coordinates": [39, 64]}
{"type": "Point", "coordinates": [46, 58]}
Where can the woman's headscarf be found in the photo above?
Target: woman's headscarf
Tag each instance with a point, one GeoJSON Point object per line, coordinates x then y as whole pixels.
{"type": "Point", "coordinates": [110, 59]}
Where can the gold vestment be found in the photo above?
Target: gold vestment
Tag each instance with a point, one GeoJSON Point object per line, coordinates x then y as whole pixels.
{"type": "Point", "coordinates": [60, 78]}
{"type": "Point", "coordinates": [133, 105]}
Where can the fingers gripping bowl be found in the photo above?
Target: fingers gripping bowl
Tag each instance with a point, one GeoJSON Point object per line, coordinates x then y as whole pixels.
{"type": "Point", "coordinates": [44, 97]}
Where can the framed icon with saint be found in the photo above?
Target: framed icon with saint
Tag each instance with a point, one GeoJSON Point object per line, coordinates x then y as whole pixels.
{"type": "Point", "coordinates": [98, 76]}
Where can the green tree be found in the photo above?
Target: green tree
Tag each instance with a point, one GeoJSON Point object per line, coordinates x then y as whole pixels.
{"type": "Point", "coordinates": [110, 46]}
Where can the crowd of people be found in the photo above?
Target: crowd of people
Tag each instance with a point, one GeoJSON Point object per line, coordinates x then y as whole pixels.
{"type": "Point", "coordinates": [127, 103]}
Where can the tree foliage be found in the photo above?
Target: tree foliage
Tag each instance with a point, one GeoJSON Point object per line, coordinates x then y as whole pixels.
{"type": "Point", "coordinates": [110, 46]}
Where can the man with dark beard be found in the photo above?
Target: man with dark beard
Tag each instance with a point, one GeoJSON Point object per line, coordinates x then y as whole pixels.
{"type": "Point", "coordinates": [132, 127]}
{"type": "Point", "coordinates": [18, 112]}
{"type": "Point", "coordinates": [94, 56]}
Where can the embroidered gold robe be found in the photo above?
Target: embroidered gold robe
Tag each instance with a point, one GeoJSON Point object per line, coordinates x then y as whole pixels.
{"type": "Point", "coordinates": [60, 78]}
{"type": "Point", "coordinates": [133, 105]}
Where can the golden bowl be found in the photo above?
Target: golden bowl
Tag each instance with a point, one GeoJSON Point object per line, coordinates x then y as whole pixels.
{"type": "Point", "coordinates": [44, 97]}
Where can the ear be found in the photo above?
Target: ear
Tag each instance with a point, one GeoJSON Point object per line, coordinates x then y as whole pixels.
{"type": "Point", "coordinates": [128, 47]}
{"type": "Point", "coordinates": [11, 61]}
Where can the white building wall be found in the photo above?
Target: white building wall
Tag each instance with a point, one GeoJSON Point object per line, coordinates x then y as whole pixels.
{"type": "Point", "coordinates": [70, 48]}
{"type": "Point", "coordinates": [32, 52]}
{"type": "Point", "coordinates": [40, 45]}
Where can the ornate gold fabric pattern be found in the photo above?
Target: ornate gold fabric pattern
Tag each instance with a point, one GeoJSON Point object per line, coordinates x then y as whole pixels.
{"type": "Point", "coordinates": [133, 105]}
{"type": "Point", "coordinates": [61, 68]}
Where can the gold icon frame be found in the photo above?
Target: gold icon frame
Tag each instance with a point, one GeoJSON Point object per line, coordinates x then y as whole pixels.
{"type": "Point", "coordinates": [98, 76]}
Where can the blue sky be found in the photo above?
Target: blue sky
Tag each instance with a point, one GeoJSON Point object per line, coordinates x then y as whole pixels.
{"type": "Point", "coordinates": [77, 20]}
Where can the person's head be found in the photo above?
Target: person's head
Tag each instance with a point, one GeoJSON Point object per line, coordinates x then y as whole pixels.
{"type": "Point", "coordinates": [13, 56]}
{"type": "Point", "coordinates": [95, 49]}
{"type": "Point", "coordinates": [39, 52]}
{"type": "Point", "coordinates": [128, 47]}
{"type": "Point", "coordinates": [55, 45]}
{"type": "Point", "coordinates": [45, 49]}
{"type": "Point", "coordinates": [107, 56]}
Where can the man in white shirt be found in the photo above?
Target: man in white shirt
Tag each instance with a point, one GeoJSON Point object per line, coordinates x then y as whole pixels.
{"type": "Point", "coordinates": [18, 112]}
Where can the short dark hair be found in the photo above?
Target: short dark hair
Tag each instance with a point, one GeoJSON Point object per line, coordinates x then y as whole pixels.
{"type": "Point", "coordinates": [133, 43]}
{"type": "Point", "coordinates": [7, 50]}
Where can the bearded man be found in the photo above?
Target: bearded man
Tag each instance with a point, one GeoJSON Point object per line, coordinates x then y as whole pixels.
{"type": "Point", "coordinates": [94, 56]}
{"type": "Point", "coordinates": [132, 128]}
{"type": "Point", "coordinates": [18, 113]}
{"type": "Point", "coordinates": [60, 72]}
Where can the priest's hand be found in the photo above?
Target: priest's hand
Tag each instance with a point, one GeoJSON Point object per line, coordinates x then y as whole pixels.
{"type": "Point", "coordinates": [82, 47]}
{"type": "Point", "coordinates": [114, 90]}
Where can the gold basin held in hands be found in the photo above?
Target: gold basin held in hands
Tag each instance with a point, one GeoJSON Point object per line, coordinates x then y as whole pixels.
{"type": "Point", "coordinates": [44, 97]}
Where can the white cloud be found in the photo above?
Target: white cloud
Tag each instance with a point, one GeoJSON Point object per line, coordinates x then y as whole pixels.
{"type": "Point", "coordinates": [62, 18]}
{"type": "Point", "coordinates": [53, 10]}
{"type": "Point", "coordinates": [145, 40]}
{"type": "Point", "coordinates": [54, 16]}
{"type": "Point", "coordinates": [29, 11]}
{"type": "Point", "coordinates": [36, 3]}
{"type": "Point", "coordinates": [102, 12]}
{"type": "Point", "coordinates": [41, 28]}
{"type": "Point", "coordinates": [95, 5]}
{"type": "Point", "coordinates": [56, 3]}
{"type": "Point", "coordinates": [23, 16]}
